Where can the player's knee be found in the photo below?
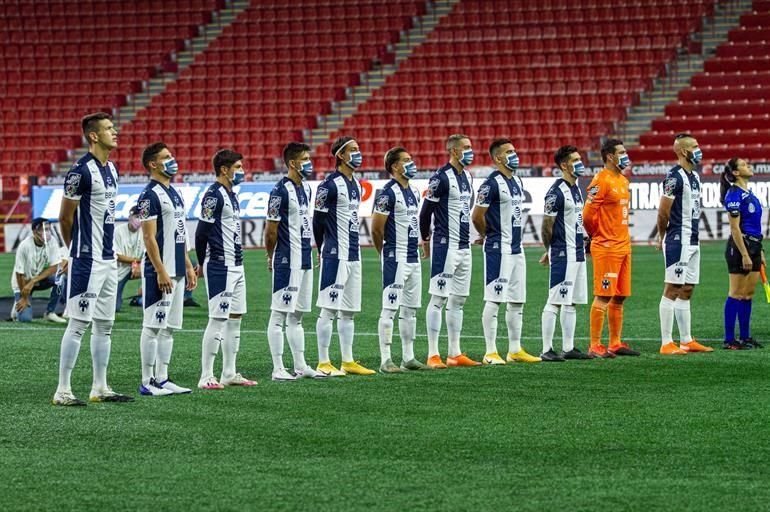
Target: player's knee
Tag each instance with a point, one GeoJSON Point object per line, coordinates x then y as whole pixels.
{"type": "Point", "coordinates": [25, 315]}
{"type": "Point", "coordinates": [686, 292]}
{"type": "Point", "coordinates": [455, 302]}
{"type": "Point", "coordinates": [347, 315]}
{"type": "Point", "coordinates": [618, 300]}
{"type": "Point", "coordinates": [235, 316]}
{"type": "Point", "coordinates": [551, 309]}
{"type": "Point", "coordinates": [387, 314]}
{"type": "Point", "coordinates": [294, 319]}
{"type": "Point", "coordinates": [102, 327]}
{"type": "Point", "coordinates": [150, 332]}
{"type": "Point", "coordinates": [277, 318]}
{"type": "Point", "coordinates": [407, 313]}
{"type": "Point", "coordinates": [437, 302]}
{"type": "Point", "coordinates": [515, 307]}
{"type": "Point", "coordinates": [569, 308]}
{"type": "Point", "coordinates": [327, 314]}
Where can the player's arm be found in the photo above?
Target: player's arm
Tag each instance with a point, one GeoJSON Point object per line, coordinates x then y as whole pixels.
{"type": "Point", "coordinates": [554, 201]}
{"type": "Point", "coordinates": [325, 198]}
{"type": "Point", "coordinates": [190, 274]}
{"type": "Point", "coordinates": [733, 207]}
{"type": "Point", "coordinates": [478, 216]}
{"type": "Point", "coordinates": [67, 218]}
{"type": "Point", "coordinates": [149, 230]}
{"type": "Point", "coordinates": [593, 202]}
{"type": "Point", "coordinates": [271, 240]}
{"type": "Point", "coordinates": [671, 186]}
{"type": "Point", "coordinates": [383, 207]}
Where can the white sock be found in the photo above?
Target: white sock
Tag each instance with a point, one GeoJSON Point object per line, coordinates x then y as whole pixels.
{"type": "Point", "coordinates": [295, 335]}
{"type": "Point", "coordinates": [163, 355]}
{"type": "Point", "coordinates": [433, 323]}
{"type": "Point", "coordinates": [345, 330]}
{"type": "Point", "coordinates": [68, 353]}
{"type": "Point", "coordinates": [275, 338]}
{"type": "Point", "coordinates": [101, 343]}
{"type": "Point", "coordinates": [489, 325]}
{"type": "Point", "coordinates": [514, 315]}
{"type": "Point", "coordinates": [212, 337]}
{"type": "Point", "coordinates": [682, 315]}
{"type": "Point", "coordinates": [666, 310]}
{"type": "Point", "coordinates": [385, 331]}
{"type": "Point", "coordinates": [231, 343]}
{"type": "Point", "coordinates": [548, 325]}
{"type": "Point", "coordinates": [323, 331]}
{"type": "Point", "coordinates": [148, 349]}
{"type": "Point", "coordinates": [454, 324]}
{"type": "Point", "coordinates": [567, 318]}
{"type": "Point", "coordinates": [407, 328]}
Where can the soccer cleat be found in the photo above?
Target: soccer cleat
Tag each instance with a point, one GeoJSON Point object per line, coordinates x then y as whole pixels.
{"type": "Point", "coordinates": [670, 349]}
{"type": "Point", "coordinates": [752, 343]}
{"type": "Point", "coordinates": [54, 318]}
{"type": "Point", "coordinates": [353, 368]}
{"type": "Point", "coordinates": [461, 360]}
{"type": "Point", "coordinates": [210, 383]}
{"type": "Point", "coordinates": [551, 357]}
{"type": "Point", "coordinates": [329, 370]}
{"type": "Point", "coordinates": [435, 363]}
{"type": "Point", "coordinates": [389, 367]}
{"type": "Point", "coordinates": [414, 365]}
{"type": "Point", "coordinates": [153, 389]}
{"type": "Point", "coordinates": [108, 395]}
{"type": "Point", "coordinates": [521, 357]}
{"type": "Point", "coordinates": [576, 354]}
{"type": "Point", "coordinates": [600, 351]}
{"type": "Point", "coordinates": [622, 349]}
{"type": "Point", "coordinates": [308, 373]}
{"type": "Point", "coordinates": [237, 380]}
{"type": "Point", "coordinates": [281, 374]}
{"type": "Point", "coordinates": [493, 359]}
{"type": "Point", "coordinates": [694, 346]}
{"type": "Point", "coordinates": [736, 345]}
{"type": "Point", "coordinates": [67, 400]}
{"type": "Point", "coordinates": [177, 390]}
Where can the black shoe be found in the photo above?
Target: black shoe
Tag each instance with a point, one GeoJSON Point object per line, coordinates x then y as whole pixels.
{"type": "Point", "coordinates": [551, 357]}
{"type": "Point", "coordinates": [624, 350]}
{"type": "Point", "coordinates": [736, 345]}
{"type": "Point", "coordinates": [190, 303]}
{"type": "Point", "coordinates": [751, 342]}
{"type": "Point", "coordinates": [576, 354]}
{"type": "Point", "coordinates": [136, 302]}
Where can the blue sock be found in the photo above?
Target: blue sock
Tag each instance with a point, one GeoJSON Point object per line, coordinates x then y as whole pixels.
{"type": "Point", "coordinates": [744, 319]}
{"type": "Point", "coordinates": [731, 314]}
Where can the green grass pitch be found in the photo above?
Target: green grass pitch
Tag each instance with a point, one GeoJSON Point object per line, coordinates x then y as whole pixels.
{"type": "Point", "coordinates": [644, 433]}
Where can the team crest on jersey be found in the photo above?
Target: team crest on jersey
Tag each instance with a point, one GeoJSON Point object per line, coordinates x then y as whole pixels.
{"type": "Point", "coordinates": [593, 191]}
{"type": "Point", "coordinates": [752, 208]}
{"type": "Point", "coordinates": [550, 204]}
{"type": "Point", "coordinates": [483, 194]}
{"type": "Point", "coordinates": [208, 207]}
{"type": "Point", "coordinates": [382, 203]}
{"type": "Point", "coordinates": [144, 208]}
{"type": "Point", "coordinates": [71, 184]}
{"type": "Point", "coordinates": [433, 185]}
{"type": "Point", "coordinates": [320, 198]}
{"type": "Point", "coordinates": [669, 186]}
{"type": "Point", "coordinates": [274, 206]}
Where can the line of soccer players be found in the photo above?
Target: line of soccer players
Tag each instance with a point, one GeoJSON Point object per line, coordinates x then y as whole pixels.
{"type": "Point", "coordinates": [400, 221]}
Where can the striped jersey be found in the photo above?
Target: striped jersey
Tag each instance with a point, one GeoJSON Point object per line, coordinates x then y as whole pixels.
{"type": "Point", "coordinates": [288, 207]}
{"type": "Point", "coordinates": [452, 218]}
{"type": "Point", "coordinates": [565, 202]}
{"type": "Point", "coordinates": [164, 205]}
{"type": "Point", "coordinates": [503, 199]}
{"type": "Point", "coordinates": [339, 197]}
{"type": "Point", "coordinates": [744, 204]}
{"type": "Point", "coordinates": [684, 188]}
{"type": "Point", "coordinates": [95, 186]}
{"type": "Point", "coordinates": [402, 229]}
{"type": "Point", "coordinates": [220, 208]}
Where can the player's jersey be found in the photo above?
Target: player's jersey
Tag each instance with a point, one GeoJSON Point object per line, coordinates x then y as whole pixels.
{"type": "Point", "coordinates": [454, 195]}
{"type": "Point", "coordinates": [339, 197]}
{"type": "Point", "coordinates": [165, 206]}
{"type": "Point", "coordinates": [221, 209]}
{"type": "Point", "coordinates": [288, 207]}
{"type": "Point", "coordinates": [95, 186]}
{"type": "Point", "coordinates": [503, 198]}
{"type": "Point", "coordinates": [565, 202]}
{"type": "Point", "coordinates": [605, 214]}
{"type": "Point", "coordinates": [684, 188]}
{"type": "Point", "coordinates": [402, 229]}
{"type": "Point", "coordinates": [744, 203]}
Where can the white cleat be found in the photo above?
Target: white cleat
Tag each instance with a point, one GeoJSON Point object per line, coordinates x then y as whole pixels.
{"type": "Point", "coordinates": [210, 383]}
{"type": "Point", "coordinates": [308, 373]}
{"type": "Point", "coordinates": [175, 389]}
{"type": "Point", "coordinates": [282, 375]}
{"type": "Point", "coordinates": [54, 318]}
{"type": "Point", "coordinates": [238, 380]}
{"type": "Point", "coordinates": [153, 389]}
{"type": "Point", "coordinates": [67, 399]}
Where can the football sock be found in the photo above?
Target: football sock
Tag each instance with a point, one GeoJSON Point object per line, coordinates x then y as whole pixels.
{"type": "Point", "coordinates": [407, 327]}
{"type": "Point", "coordinates": [489, 325]}
{"type": "Point", "coordinates": [148, 349]}
{"type": "Point", "coordinates": [615, 317]}
{"type": "Point", "coordinates": [732, 306]}
{"type": "Point", "coordinates": [68, 354]}
{"type": "Point", "coordinates": [433, 322]}
{"type": "Point", "coordinates": [163, 354]}
{"type": "Point", "coordinates": [323, 329]}
{"type": "Point", "coordinates": [567, 318]}
{"type": "Point", "coordinates": [666, 310]}
{"type": "Point", "coordinates": [345, 330]}
{"type": "Point", "coordinates": [548, 325]}
{"type": "Point", "coordinates": [275, 337]}
{"type": "Point", "coordinates": [295, 335]}
{"type": "Point", "coordinates": [231, 343]}
{"type": "Point", "coordinates": [744, 319]}
{"type": "Point", "coordinates": [682, 315]}
{"type": "Point", "coordinates": [454, 323]}
{"type": "Point", "coordinates": [514, 317]}
{"type": "Point", "coordinates": [101, 343]}
{"type": "Point", "coordinates": [598, 310]}
{"type": "Point", "coordinates": [385, 331]}
{"type": "Point", "coordinates": [211, 340]}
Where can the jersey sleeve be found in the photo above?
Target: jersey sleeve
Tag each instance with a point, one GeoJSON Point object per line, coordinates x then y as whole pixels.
{"type": "Point", "coordinates": [22, 254]}
{"type": "Point", "coordinates": [487, 194]}
{"type": "Point", "coordinates": [148, 205]}
{"type": "Point", "coordinates": [276, 207]}
{"type": "Point", "coordinates": [325, 196]}
{"type": "Point", "coordinates": [385, 202]}
{"type": "Point", "coordinates": [554, 202]}
{"type": "Point", "coordinates": [437, 188]}
{"type": "Point", "coordinates": [733, 202]}
{"type": "Point", "coordinates": [672, 186]}
{"type": "Point", "coordinates": [596, 191]}
{"type": "Point", "coordinates": [211, 208]}
{"type": "Point", "coordinates": [75, 183]}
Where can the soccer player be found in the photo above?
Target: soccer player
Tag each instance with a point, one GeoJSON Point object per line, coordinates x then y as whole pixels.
{"type": "Point", "coordinates": [166, 264]}
{"type": "Point", "coordinates": [497, 217]}
{"type": "Point", "coordinates": [744, 252]}
{"type": "Point", "coordinates": [87, 223]}
{"type": "Point", "coordinates": [335, 229]}
{"type": "Point", "coordinates": [289, 258]}
{"type": "Point", "coordinates": [129, 249]}
{"type": "Point", "coordinates": [605, 218]}
{"type": "Point", "coordinates": [36, 263]}
{"type": "Point", "coordinates": [395, 233]}
{"type": "Point", "coordinates": [219, 250]}
{"type": "Point", "coordinates": [562, 234]}
{"type": "Point", "coordinates": [448, 204]}
{"type": "Point", "coordinates": [678, 219]}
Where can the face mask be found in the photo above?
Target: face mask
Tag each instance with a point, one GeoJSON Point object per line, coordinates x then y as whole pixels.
{"type": "Point", "coordinates": [44, 236]}
{"type": "Point", "coordinates": [410, 170]}
{"type": "Point", "coordinates": [578, 169]}
{"type": "Point", "coordinates": [355, 159]}
{"type": "Point", "coordinates": [306, 169]}
{"type": "Point", "coordinates": [696, 156]}
{"type": "Point", "coordinates": [134, 223]}
{"type": "Point", "coordinates": [238, 177]}
{"type": "Point", "coordinates": [170, 167]}
{"type": "Point", "coordinates": [623, 162]}
{"type": "Point", "coordinates": [512, 162]}
{"type": "Point", "coordinates": [467, 158]}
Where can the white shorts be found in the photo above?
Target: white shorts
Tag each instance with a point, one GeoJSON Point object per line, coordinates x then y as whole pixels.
{"type": "Point", "coordinates": [505, 278]}
{"type": "Point", "coordinates": [225, 290]}
{"type": "Point", "coordinates": [162, 310]}
{"type": "Point", "coordinates": [339, 287]}
{"type": "Point", "coordinates": [401, 284]}
{"type": "Point", "coordinates": [682, 263]}
{"type": "Point", "coordinates": [92, 286]}
{"type": "Point", "coordinates": [450, 271]}
{"type": "Point", "coordinates": [292, 289]}
{"type": "Point", "coordinates": [567, 282]}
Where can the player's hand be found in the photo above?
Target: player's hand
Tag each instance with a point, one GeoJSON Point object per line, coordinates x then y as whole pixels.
{"type": "Point", "coordinates": [659, 244]}
{"type": "Point", "coordinates": [22, 304]}
{"type": "Point", "coordinates": [63, 266]}
{"type": "Point", "coordinates": [479, 241]}
{"type": "Point", "coordinates": [164, 282]}
{"type": "Point", "coordinates": [746, 262]}
{"type": "Point", "coordinates": [269, 263]}
{"type": "Point", "coordinates": [199, 270]}
{"type": "Point", "coordinates": [192, 278]}
{"type": "Point", "coordinates": [426, 249]}
{"type": "Point", "coordinates": [544, 259]}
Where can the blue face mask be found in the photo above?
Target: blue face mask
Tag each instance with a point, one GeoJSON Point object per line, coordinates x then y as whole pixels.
{"type": "Point", "coordinates": [512, 162]}
{"type": "Point", "coordinates": [170, 167]}
{"type": "Point", "coordinates": [306, 169]}
{"type": "Point", "coordinates": [578, 169]}
{"type": "Point", "coordinates": [356, 159]}
{"type": "Point", "coordinates": [696, 156]}
{"type": "Point", "coordinates": [623, 162]}
{"type": "Point", "coordinates": [467, 158]}
{"type": "Point", "coordinates": [410, 170]}
{"type": "Point", "coordinates": [238, 177]}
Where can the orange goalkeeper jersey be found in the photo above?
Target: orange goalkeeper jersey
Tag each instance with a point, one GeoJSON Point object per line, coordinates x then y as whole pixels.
{"type": "Point", "coordinates": [605, 214]}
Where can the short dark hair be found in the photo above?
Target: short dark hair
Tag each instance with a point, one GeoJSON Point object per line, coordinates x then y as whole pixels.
{"type": "Point", "coordinates": [37, 222]}
{"type": "Point", "coordinates": [90, 122]}
{"type": "Point", "coordinates": [392, 156]}
{"type": "Point", "coordinates": [562, 154]}
{"type": "Point", "coordinates": [496, 144]}
{"type": "Point", "coordinates": [683, 135]}
{"type": "Point", "coordinates": [336, 147]}
{"type": "Point", "coordinates": [225, 158]}
{"type": "Point", "coordinates": [608, 148]}
{"type": "Point", "coordinates": [292, 150]}
{"type": "Point", "coordinates": [152, 151]}
{"type": "Point", "coordinates": [134, 210]}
